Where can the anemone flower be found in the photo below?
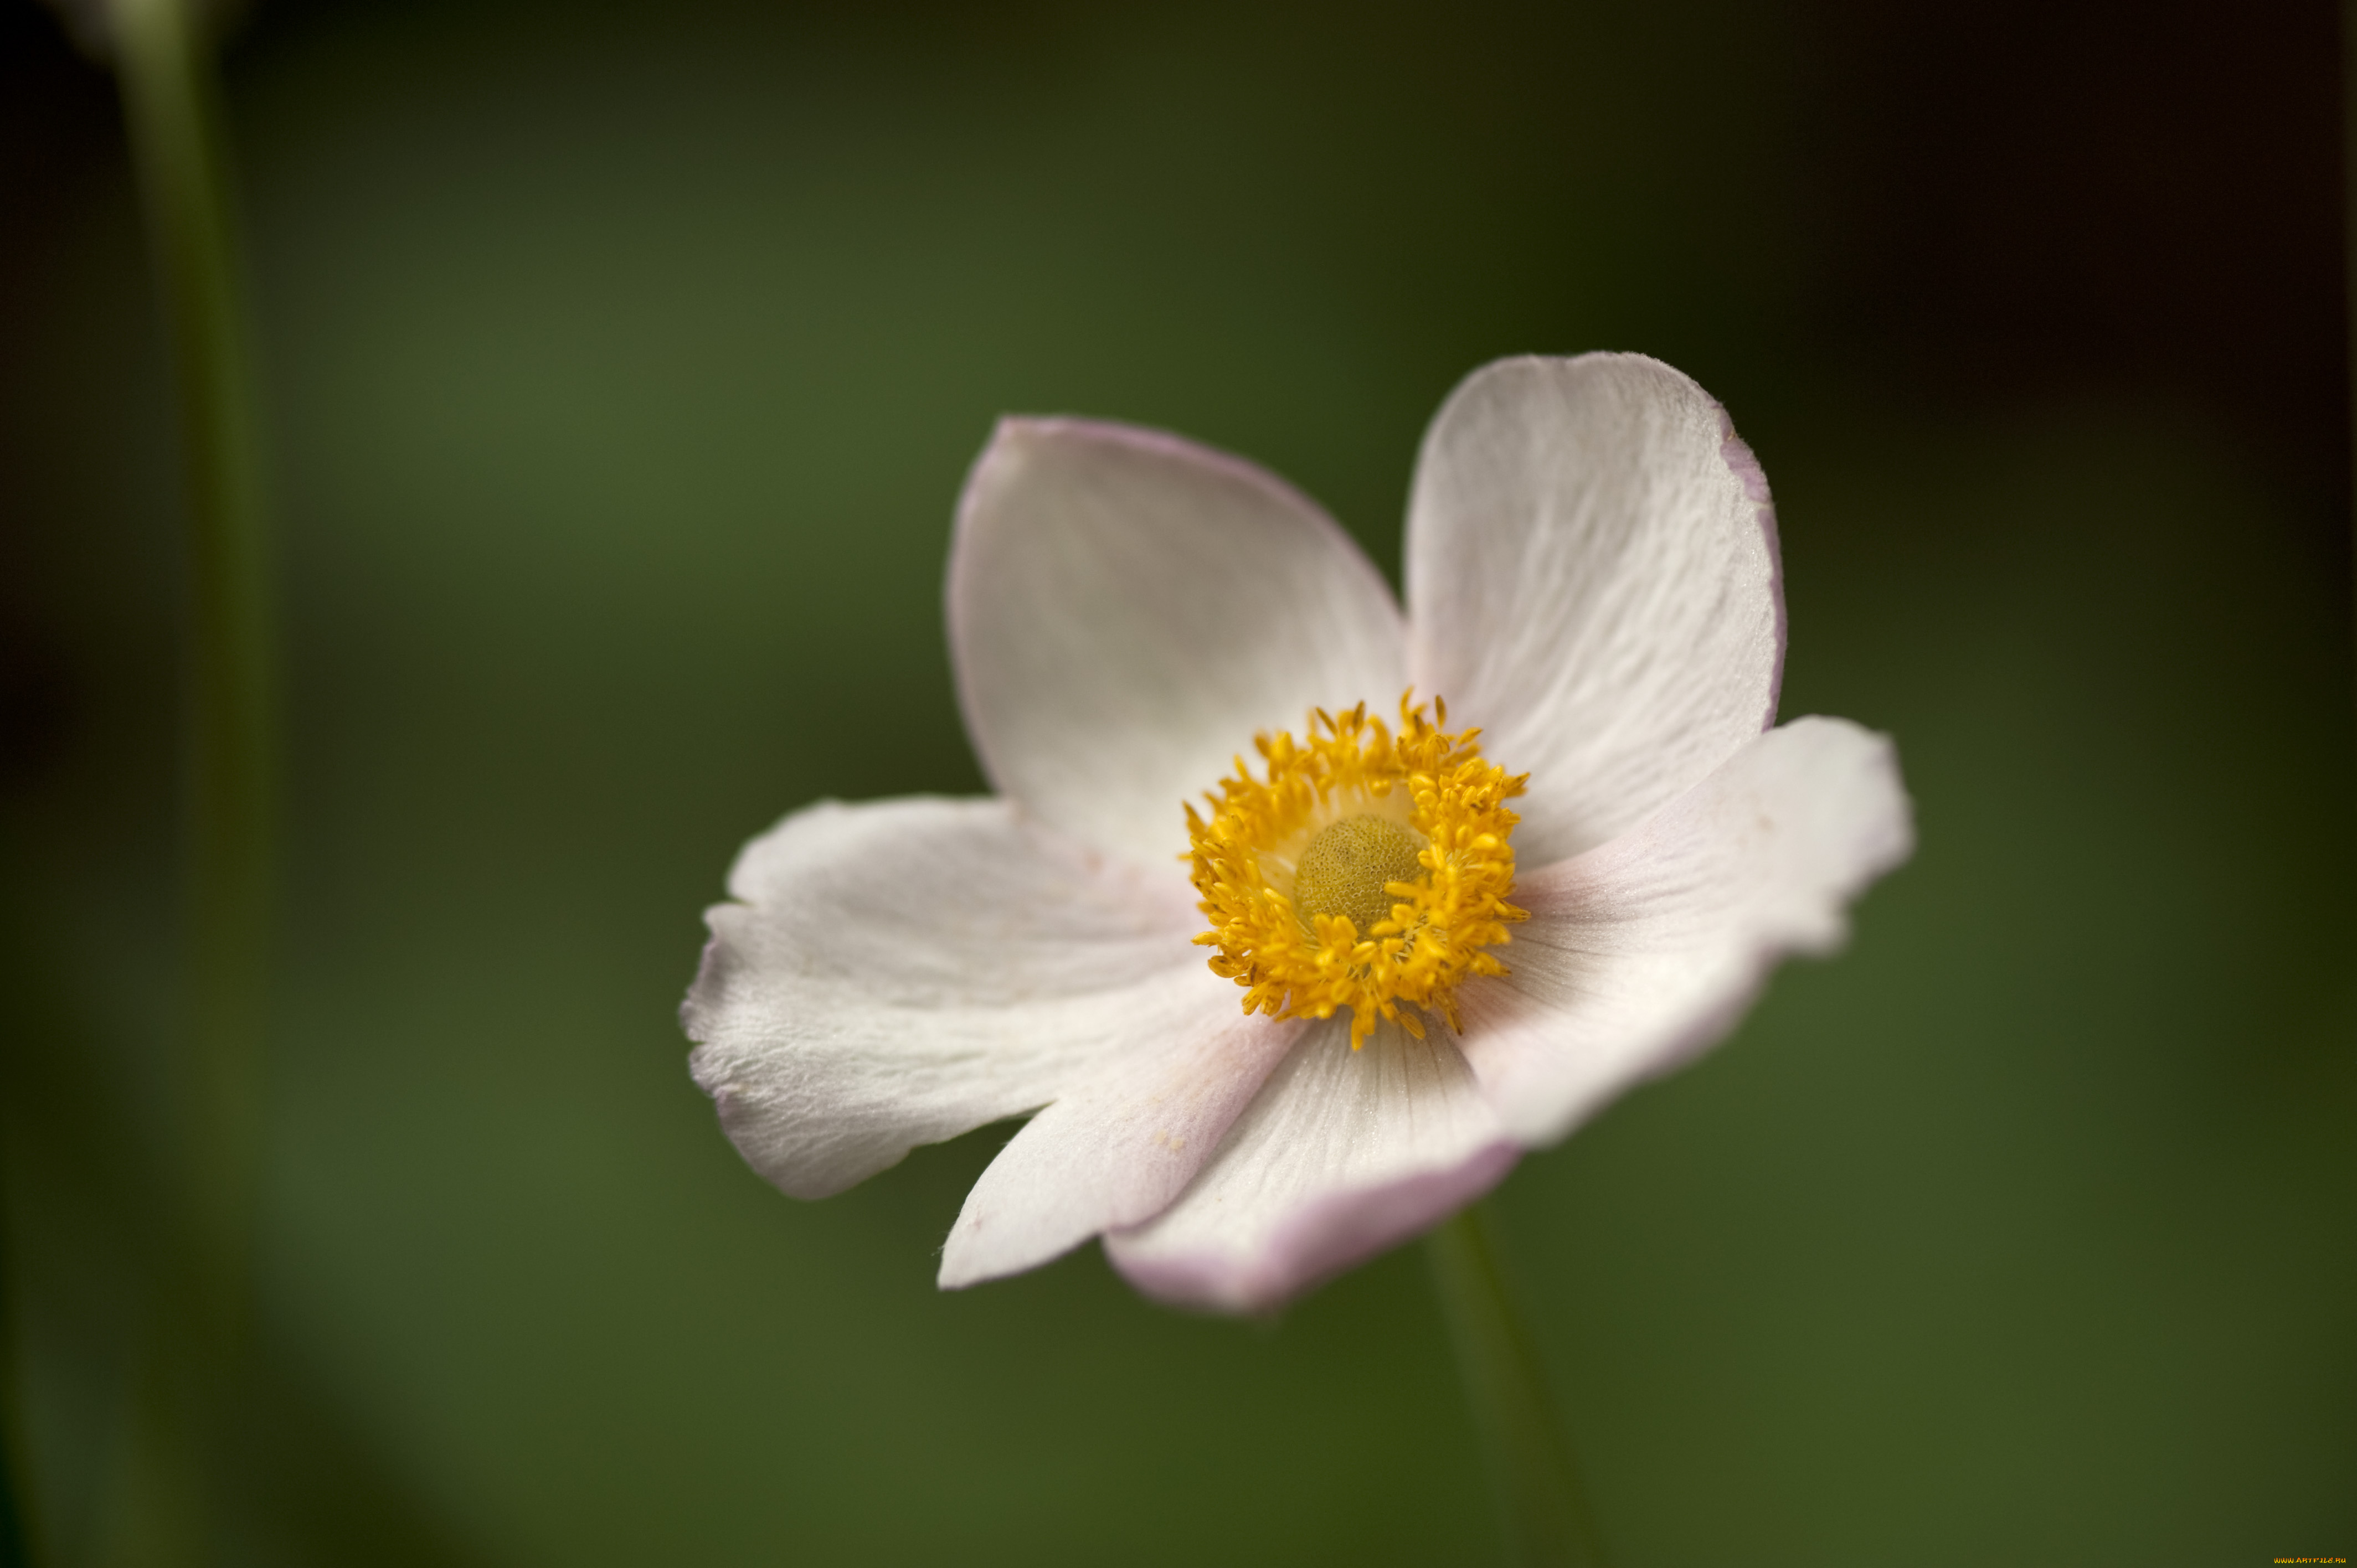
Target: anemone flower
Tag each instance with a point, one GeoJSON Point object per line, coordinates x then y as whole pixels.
{"type": "Point", "coordinates": [1429, 950]}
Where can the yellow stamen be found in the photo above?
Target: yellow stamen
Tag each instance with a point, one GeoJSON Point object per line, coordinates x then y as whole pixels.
{"type": "Point", "coordinates": [1370, 871]}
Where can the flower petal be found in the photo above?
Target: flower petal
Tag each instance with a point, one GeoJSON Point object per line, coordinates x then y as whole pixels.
{"type": "Point", "coordinates": [1643, 951]}
{"type": "Point", "coordinates": [1341, 1154]}
{"type": "Point", "coordinates": [900, 972]}
{"type": "Point", "coordinates": [1117, 1149]}
{"type": "Point", "coordinates": [1126, 609]}
{"type": "Point", "coordinates": [1592, 578]}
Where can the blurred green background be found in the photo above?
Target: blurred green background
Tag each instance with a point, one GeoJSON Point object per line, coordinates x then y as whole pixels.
{"type": "Point", "coordinates": [623, 364]}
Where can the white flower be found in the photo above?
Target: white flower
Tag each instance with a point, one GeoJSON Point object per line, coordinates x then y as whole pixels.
{"type": "Point", "coordinates": [1592, 579]}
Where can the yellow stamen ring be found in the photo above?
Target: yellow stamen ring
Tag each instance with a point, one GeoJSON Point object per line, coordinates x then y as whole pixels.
{"type": "Point", "coordinates": [1370, 871]}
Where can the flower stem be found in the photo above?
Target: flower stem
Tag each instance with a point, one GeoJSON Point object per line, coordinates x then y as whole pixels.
{"type": "Point", "coordinates": [165, 62]}
{"type": "Point", "coordinates": [2348, 243]}
{"type": "Point", "coordinates": [1545, 1514]}
{"type": "Point", "coordinates": [165, 67]}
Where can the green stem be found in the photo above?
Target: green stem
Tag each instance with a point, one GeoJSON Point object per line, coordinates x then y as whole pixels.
{"type": "Point", "coordinates": [2348, 250]}
{"type": "Point", "coordinates": [165, 66]}
{"type": "Point", "coordinates": [1546, 1516]}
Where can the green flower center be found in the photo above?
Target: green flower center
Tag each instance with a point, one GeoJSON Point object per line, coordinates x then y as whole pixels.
{"type": "Point", "coordinates": [1347, 866]}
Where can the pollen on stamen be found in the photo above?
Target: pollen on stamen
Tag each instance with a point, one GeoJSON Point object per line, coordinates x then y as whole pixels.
{"type": "Point", "coordinates": [1369, 870]}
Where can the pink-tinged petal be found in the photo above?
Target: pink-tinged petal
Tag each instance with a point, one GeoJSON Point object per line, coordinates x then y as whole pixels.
{"type": "Point", "coordinates": [1645, 950]}
{"type": "Point", "coordinates": [1118, 1148]}
{"type": "Point", "coordinates": [1341, 1154]}
{"type": "Point", "coordinates": [1127, 609]}
{"type": "Point", "coordinates": [1592, 578]}
{"type": "Point", "coordinates": [896, 974]}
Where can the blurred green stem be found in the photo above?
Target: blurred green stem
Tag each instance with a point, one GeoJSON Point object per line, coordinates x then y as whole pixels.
{"type": "Point", "coordinates": [2349, 259]}
{"type": "Point", "coordinates": [1546, 1513]}
{"type": "Point", "coordinates": [164, 58]}
{"type": "Point", "coordinates": [165, 62]}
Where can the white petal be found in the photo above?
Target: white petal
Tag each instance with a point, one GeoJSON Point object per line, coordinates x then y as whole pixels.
{"type": "Point", "coordinates": [1645, 950]}
{"type": "Point", "coordinates": [1341, 1154]}
{"type": "Point", "coordinates": [898, 974]}
{"type": "Point", "coordinates": [1126, 609]}
{"type": "Point", "coordinates": [1117, 1149]}
{"type": "Point", "coordinates": [1592, 579]}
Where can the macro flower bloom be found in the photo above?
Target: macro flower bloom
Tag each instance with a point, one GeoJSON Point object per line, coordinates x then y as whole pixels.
{"type": "Point", "coordinates": [1287, 969]}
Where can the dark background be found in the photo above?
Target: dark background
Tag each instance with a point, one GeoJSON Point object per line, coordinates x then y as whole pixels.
{"type": "Point", "coordinates": [623, 363]}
